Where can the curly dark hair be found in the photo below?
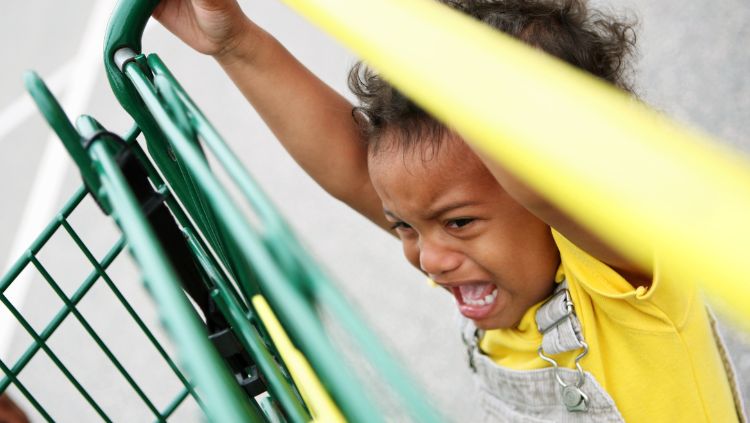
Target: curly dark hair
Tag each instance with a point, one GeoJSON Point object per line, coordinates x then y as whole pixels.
{"type": "Point", "coordinates": [589, 39]}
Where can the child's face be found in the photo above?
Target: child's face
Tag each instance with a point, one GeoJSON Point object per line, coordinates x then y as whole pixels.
{"type": "Point", "coordinates": [464, 231]}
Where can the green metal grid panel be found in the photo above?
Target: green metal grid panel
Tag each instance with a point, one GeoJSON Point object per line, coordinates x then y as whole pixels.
{"type": "Point", "coordinates": [100, 275]}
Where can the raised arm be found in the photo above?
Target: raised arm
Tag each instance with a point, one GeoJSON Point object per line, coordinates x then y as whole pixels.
{"type": "Point", "coordinates": [567, 226]}
{"type": "Point", "coordinates": [311, 120]}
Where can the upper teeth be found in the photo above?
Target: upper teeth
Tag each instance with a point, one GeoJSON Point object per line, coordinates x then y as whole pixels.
{"type": "Point", "coordinates": [488, 299]}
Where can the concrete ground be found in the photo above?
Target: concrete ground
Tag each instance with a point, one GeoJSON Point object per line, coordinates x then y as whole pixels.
{"type": "Point", "coordinates": [693, 65]}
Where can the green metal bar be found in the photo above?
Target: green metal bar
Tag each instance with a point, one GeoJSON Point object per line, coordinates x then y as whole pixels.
{"type": "Point", "coordinates": [272, 369]}
{"type": "Point", "coordinates": [251, 341]}
{"type": "Point", "coordinates": [85, 324]}
{"type": "Point", "coordinates": [125, 30]}
{"type": "Point", "coordinates": [236, 311]}
{"type": "Point", "coordinates": [236, 170]}
{"type": "Point", "coordinates": [58, 120]}
{"type": "Point", "coordinates": [167, 412]}
{"type": "Point", "coordinates": [132, 134]}
{"type": "Point", "coordinates": [223, 400]}
{"type": "Point", "coordinates": [54, 357]}
{"type": "Point", "coordinates": [278, 385]}
{"type": "Point", "coordinates": [43, 237]}
{"type": "Point", "coordinates": [211, 231]}
{"type": "Point", "coordinates": [183, 187]}
{"type": "Point", "coordinates": [282, 240]}
{"type": "Point", "coordinates": [88, 125]}
{"type": "Point", "coordinates": [202, 219]}
{"type": "Point", "coordinates": [275, 228]}
{"type": "Point", "coordinates": [26, 393]}
{"type": "Point", "coordinates": [296, 312]}
{"type": "Point", "coordinates": [60, 316]}
{"type": "Point", "coordinates": [216, 274]}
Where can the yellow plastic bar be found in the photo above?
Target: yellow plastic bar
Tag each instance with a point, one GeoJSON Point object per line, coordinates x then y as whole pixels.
{"type": "Point", "coordinates": [644, 184]}
{"type": "Point", "coordinates": [322, 408]}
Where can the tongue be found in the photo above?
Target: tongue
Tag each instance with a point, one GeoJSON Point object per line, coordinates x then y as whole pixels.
{"type": "Point", "coordinates": [475, 291]}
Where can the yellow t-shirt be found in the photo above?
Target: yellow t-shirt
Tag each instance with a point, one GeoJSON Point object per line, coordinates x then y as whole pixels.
{"type": "Point", "coordinates": [651, 349]}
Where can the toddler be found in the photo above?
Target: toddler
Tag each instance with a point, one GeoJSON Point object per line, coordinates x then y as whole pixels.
{"type": "Point", "coordinates": [558, 326]}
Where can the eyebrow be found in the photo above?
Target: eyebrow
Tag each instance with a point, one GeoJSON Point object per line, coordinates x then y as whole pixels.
{"type": "Point", "coordinates": [431, 214]}
{"type": "Point", "coordinates": [443, 209]}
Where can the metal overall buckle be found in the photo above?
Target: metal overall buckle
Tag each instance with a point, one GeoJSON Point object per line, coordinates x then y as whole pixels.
{"type": "Point", "coordinates": [574, 399]}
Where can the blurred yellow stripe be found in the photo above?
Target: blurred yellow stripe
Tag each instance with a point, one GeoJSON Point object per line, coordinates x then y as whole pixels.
{"type": "Point", "coordinates": [641, 182]}
{"type": "Point", "coordinates": [322, 408]}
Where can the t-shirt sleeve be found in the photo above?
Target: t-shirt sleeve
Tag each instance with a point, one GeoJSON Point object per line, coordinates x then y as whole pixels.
{"type": "Point", "coordinates": [664, 302]}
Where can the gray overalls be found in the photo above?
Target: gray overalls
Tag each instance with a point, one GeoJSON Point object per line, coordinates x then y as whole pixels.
{"type": "Point", "coordinates": [552, 394]}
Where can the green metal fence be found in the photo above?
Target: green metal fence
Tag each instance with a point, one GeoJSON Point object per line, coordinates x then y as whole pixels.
{"type": "Point", "coordinates": [203, 262]}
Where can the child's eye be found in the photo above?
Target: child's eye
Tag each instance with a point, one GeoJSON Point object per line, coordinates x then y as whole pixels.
{"type": "Point", "coordinates": [400, 225]}
{"type": "Point", "coordinates": [459, 223]}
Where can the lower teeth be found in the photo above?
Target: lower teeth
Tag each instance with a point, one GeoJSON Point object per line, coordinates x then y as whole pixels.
{"type": "Point", "coordinates": [488, 299]}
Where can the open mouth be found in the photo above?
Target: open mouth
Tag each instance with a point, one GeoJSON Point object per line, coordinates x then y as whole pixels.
{"type": "Point", "coordinates": [475, 300]}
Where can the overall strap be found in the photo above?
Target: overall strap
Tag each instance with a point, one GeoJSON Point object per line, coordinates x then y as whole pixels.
{"type": "Point", "coordinates": [561, 332]}
{"type": "Point", "coordinates": [558, 324]}
{"type": "Point", "coordinates": [731, 372]}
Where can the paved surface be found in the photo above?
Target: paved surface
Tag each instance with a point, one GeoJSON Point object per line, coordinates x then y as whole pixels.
{"type": "Point", "coordinates": [693, 65]}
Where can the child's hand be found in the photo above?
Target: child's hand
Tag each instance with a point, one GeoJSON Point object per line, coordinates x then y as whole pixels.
{"type": "Point", "coordinates": [212, 27]}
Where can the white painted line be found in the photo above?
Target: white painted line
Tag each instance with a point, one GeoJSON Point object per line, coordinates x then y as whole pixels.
{"type": "Point", "coordinates": [42, 202]}
{"type": "Point", "coordinates": [20, 109]}
{"type": "Point", "coordinates": [23, 107]}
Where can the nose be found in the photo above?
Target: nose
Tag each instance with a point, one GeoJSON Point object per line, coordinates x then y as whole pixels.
{"type": "Point", "coordinates": [436, 258]}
